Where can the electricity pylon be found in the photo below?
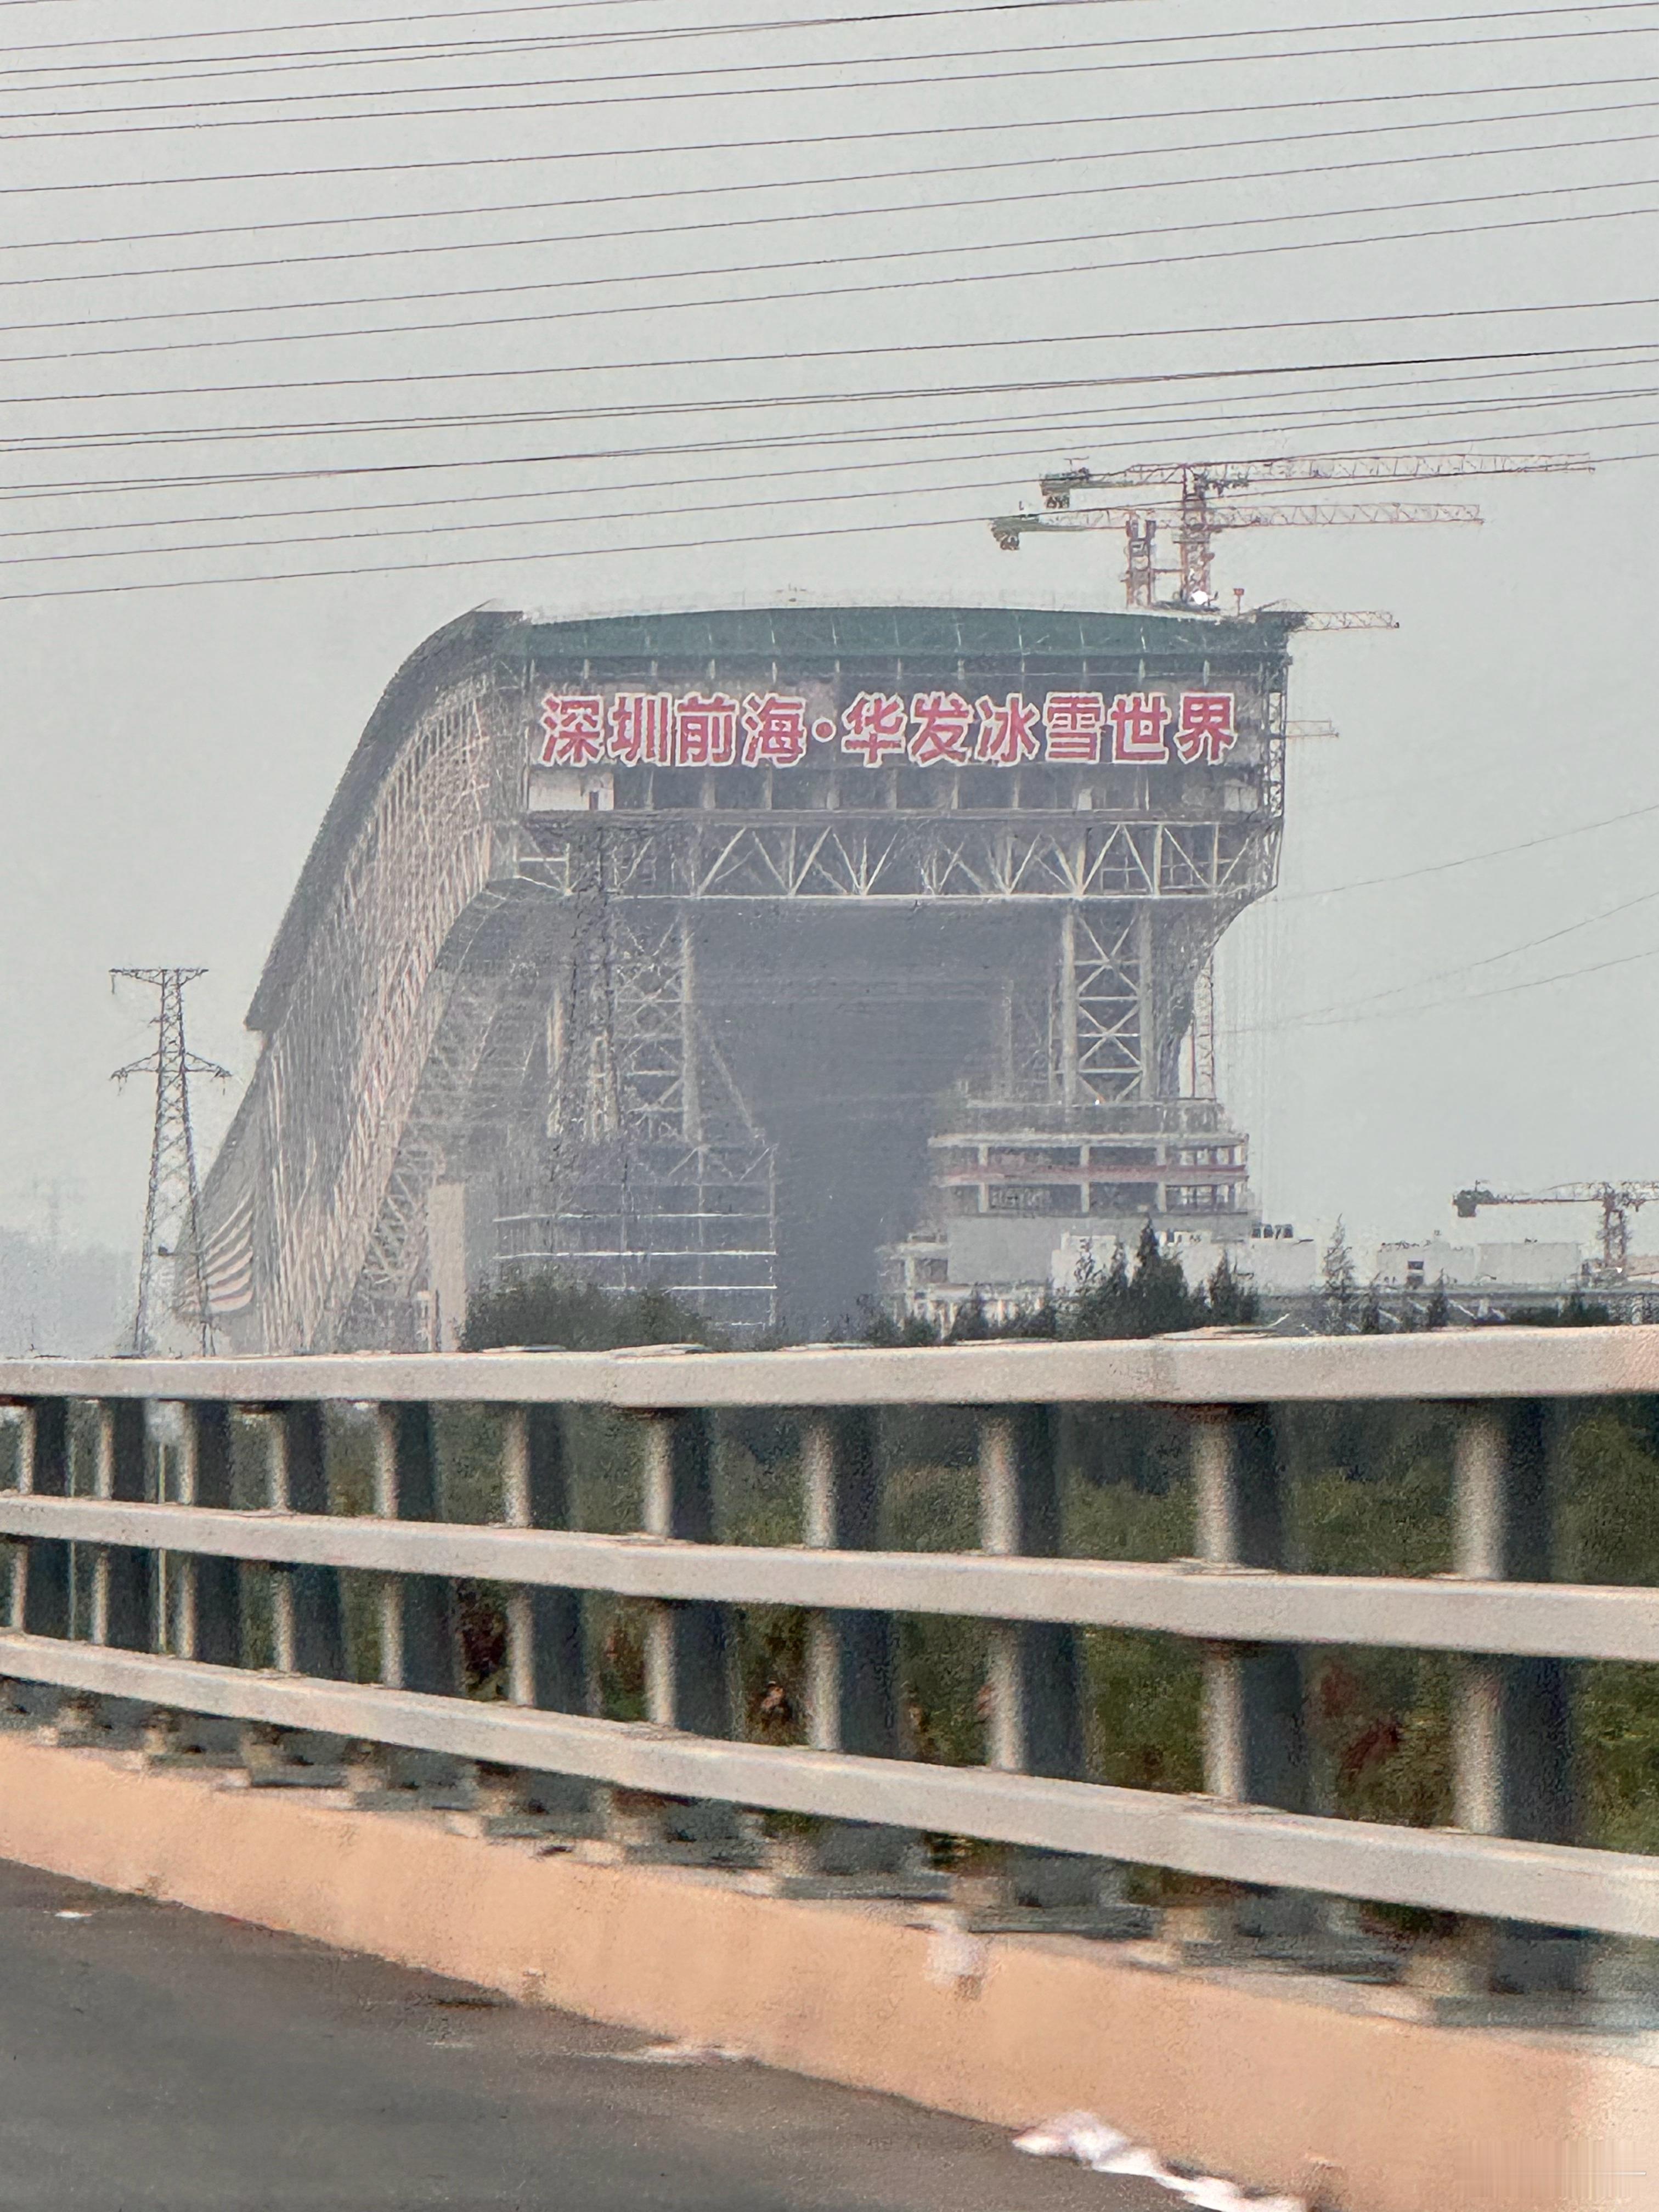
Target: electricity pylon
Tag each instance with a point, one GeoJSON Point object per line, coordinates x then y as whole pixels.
{"type": "Point", "coordinates": [172, 1210]}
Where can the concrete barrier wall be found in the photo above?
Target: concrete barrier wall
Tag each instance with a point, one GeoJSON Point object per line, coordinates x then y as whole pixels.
{"type": "Point", "coordinates": [1258, 2081]}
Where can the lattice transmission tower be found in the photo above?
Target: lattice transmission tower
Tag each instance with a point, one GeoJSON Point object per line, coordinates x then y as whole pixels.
{"type": "Point", "coordinates": [172, 1221]}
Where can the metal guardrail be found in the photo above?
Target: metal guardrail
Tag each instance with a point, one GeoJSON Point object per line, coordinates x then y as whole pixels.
{"type": "Point", "coordinates": [1224, 1367]}
{"type": "Point", "coordinates": [1511, 1858]}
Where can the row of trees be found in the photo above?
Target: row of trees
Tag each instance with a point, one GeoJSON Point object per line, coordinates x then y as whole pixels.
{"type": "Point", "coordinates": [1145, 1296]}
{"type": "Point", "coordinates": [1347, 1311]}
{"type": "Point", "coordinates": [1149, 1298]}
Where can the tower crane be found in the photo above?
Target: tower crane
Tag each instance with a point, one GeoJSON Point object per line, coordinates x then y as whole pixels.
{"type": "Point", "coordinates": [1196, 498]}
{"type": "Point", "coordinates": [1618, 1201]}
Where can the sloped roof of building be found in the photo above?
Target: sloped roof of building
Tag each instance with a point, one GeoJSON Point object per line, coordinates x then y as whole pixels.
{"type": "Point", "coordinates": [806, 634]}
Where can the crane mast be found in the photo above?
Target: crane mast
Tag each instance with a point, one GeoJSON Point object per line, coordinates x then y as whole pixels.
{"type": "Point", "coordinates": [1197, 501]}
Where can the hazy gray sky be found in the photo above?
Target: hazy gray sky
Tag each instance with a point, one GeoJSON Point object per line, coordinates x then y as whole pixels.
{"type": "Point", "coordinates": [169, 753]}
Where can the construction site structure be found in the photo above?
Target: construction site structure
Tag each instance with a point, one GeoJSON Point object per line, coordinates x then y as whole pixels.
{"type": "Point", "coordinates": [1195, 501]}
{"type": "Point", "coordinates": [1011, 1185]}
{"type": "Point", "coordinates": [712, 951]}
{"type": "Point", "coordinates": [1618, 1202]}
{"type": "Point", "coordinates": [172, 1203]}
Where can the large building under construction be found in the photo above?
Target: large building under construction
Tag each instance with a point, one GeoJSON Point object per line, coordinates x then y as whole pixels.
{"type": "Point", "coordinates": [720, 952]}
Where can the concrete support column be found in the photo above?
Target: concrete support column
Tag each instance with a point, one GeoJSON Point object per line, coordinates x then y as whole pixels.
{"type": "Point", "coordinates": [1254, 1739]}
{"type": "Point", "coordinates": [418, 1642]}
{"type": "Point", "coordinates": [124, 1579]}
{"type": "Point", "coordinates": [544, 1626]}
{"type": "Point", "coordinates": [43, 1602]}
{"type": "Point", "coordinates": [687, 1645]}
{"type": "Point", "coordinates": [851, 1704]}
{"type": "Point", "coordinates": [1514, 1740]}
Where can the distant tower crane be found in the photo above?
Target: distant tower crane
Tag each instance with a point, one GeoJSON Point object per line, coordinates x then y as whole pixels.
{"type": "Point", "coordinates": [1195, 497]}
{"type": "Point", "coordinates": [1618, 1201]}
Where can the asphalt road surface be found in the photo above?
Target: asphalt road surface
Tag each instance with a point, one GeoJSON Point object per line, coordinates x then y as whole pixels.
{"type": "Point", "coordinates": [152, 2056]}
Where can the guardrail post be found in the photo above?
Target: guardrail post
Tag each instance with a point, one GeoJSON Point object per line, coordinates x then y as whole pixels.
{"type": "Point", "coordinates": [1035, 1673]}
{"type": "Point", "coordinates": [309, 1620]}
{"type": "Point", "coordinates": [543, 1627]}
{"type": "Point", "coordinates": [43, 1607]}
{"type": "Point", "coordinates": [850, 1702]}
{"type": "Point", "coordinates": [546, 1661]}
{"type": "Point", "coordinates": [418, 1612]}
{"type": "Point", "coordinates": [1255, 1737]}
{"type": "Point", "coordinates": [686, 1644]}
{"type": "Point", "coordinates": [202, 1593]}
{"type": "Point", "coordinates": [851, 1691]}
{"type": "Point", "coordinates": [1037, 1705]}
{"type": "Point", "coordinates": [1514, 1732]}
{"type": "Point", "coordinates": [209, 1590]}
{"type": "Point", "coordinates": [124, 1582]}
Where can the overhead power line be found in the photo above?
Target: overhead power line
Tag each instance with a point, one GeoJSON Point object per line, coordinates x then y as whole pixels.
{"type": "Point", "coordinates": [1150, 417]}
{"type": "Point", "coordinates": [353, 22]}
{"type": "Point", "coordinates": [1043, 425]}
{"type": "Point", "coordinates": [334, 427]}
{"type": "Point", "coordinates": [635, 35]}
{"type": "Point", "coordinates": [1277, 139]}
{"type": "Point", "coordinates": [607, 548]}
{"type": "Point", "coordinates": [157, 38]}
{"type": "Point", "coordinates": [1047, 425]}
{"type": "Point", "coordinates": [794, 141]}
{"type": "Point", "coordinates": [723, 503]}
{"type": "Point", "coordinates": [385, 111]}
{"type": "Point", "coordinates": [203, 113]}
{"type": "Point", "coordinates": [198, 68]}
{"type": "Point", "coordinates": [819, 215]}
{"type": "Point", "coordinates": [1473, 859]}
{"type": "Point", "coordinates": [1457, 999]}
{"type": "Point", "coordinates": [403, 568]}
{"type": "Point", "coordinates": [795, 294]}
{"type": "Point", "coordinates": [1314, 1017]}
{"type": "Point", "coordinates": [218, 313]}
{"type": "Point", "coordinates": [1111, 428]}
{"type": "Point", "coordinates": [344, 59]}
{"type": "Point", "coordinates": [294, 60]}
{"type": "Point", "coordinates": [1051, 339]}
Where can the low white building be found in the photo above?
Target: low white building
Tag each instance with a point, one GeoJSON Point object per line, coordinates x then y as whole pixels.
{"type": "Point", "coordinates": [1521, 1263]}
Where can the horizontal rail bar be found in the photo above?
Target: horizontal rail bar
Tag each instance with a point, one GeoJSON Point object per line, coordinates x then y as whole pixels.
{"type": "Point", "coordinates": [1439, 1869]}
{"type": "Point", "coordinates": [1554, 1620]}
{"type": "Point", "coordinates": [1231, 1367]}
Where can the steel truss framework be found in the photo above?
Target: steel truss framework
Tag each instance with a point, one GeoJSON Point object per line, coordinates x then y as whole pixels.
{"type": "Point", "coordinates": [1105, 1038]}
{"type": "Point", "coordinates": [469, 988]}
{"type": "Point", "coordinates": [926, 856]}
{"type": "Point", "coordinates": [657, 1171]}
{"type": "Point", "coordinates": [473, 1090]}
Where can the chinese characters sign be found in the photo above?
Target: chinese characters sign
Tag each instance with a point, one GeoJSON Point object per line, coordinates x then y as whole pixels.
{"type": "Point", "coordinates": [879, 729]}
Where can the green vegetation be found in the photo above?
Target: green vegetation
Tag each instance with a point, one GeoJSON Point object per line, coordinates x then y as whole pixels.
{"type": "Point", "coordinates": [1151, 1299]}
{"type": "Point", "coordinates": [1369, 1491]}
